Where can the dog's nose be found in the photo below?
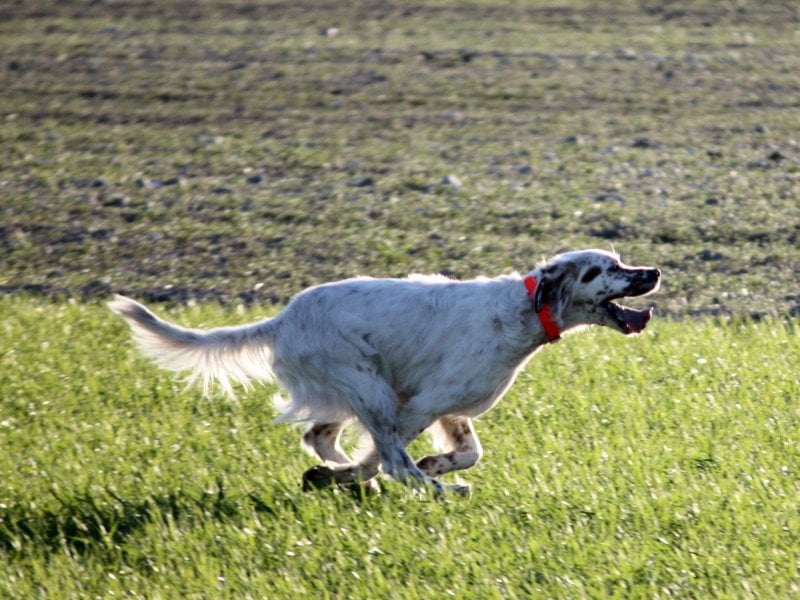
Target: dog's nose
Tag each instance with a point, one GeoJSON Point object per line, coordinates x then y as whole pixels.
{"type": "Point", "coordinates": [651, 275]}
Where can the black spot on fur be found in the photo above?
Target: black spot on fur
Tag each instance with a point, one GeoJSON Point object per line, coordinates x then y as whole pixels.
{"type": "Point", "coordinates": [552, 288]}
{"type": "Point", "coordinates": [591, 274]}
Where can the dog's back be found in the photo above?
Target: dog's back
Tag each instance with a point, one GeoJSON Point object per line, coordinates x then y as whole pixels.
{"type": "Point", "coordinates": [458, 340]}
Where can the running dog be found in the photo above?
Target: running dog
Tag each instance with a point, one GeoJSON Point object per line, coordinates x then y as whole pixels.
{"type": "Point", "coordinates": [401, 356]}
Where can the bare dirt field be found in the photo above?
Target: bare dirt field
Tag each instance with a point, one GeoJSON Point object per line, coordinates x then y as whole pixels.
{"type": "Point", "coordinates": [242, 151]}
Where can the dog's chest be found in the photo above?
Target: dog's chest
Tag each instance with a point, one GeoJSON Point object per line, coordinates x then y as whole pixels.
{"type": "Point", "coordinates": [463, 385]}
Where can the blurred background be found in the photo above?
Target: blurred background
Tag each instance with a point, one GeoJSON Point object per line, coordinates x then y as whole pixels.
{"type": "Point", "coordinates": [240, 151]}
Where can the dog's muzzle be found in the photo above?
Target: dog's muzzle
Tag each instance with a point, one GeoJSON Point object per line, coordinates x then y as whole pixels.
{"type": "Point", "coordinates": [644, 282]}
{"type": "Point", "coordinates": [631, 320]}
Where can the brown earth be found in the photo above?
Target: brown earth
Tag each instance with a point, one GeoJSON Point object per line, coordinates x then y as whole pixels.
{"type": "Point", "coordinates": [242, 151]}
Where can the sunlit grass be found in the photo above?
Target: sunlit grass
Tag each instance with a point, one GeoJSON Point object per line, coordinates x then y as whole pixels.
{"type": "Point", "coordinates": [659, 465]}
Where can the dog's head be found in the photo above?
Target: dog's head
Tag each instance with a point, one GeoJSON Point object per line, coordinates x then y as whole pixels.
{"type": "Point", "coordinates": [580, 288]}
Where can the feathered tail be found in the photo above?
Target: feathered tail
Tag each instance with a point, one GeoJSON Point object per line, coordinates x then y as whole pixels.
{"type": "Point", "coordinates": [222, 355]}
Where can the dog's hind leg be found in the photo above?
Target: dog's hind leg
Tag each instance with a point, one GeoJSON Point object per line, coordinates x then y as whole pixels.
{"type": "Point", "coordinates": [323, 440]}
{"type": "Point", "coordinates": [456, 437]}
{"type": "Point", "coordinates": [374, 403]}
{"type": "Point", "coordinates": [363, 472]}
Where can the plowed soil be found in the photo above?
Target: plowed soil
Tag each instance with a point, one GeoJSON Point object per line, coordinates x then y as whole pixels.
{"type": "Point", "coordinates": [242, 151]}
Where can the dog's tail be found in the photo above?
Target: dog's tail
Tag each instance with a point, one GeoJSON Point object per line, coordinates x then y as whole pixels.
{"type": "Point", "coordinates": [222, 355]}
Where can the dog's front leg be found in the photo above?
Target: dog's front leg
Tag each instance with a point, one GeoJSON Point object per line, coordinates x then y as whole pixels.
{"type": "Point", "coordinates": [322, 439]}
{"type": "Point", "coordinates": [322, 476]}
{"type": "Point", "coordinates": [395, 462]}
{"type": "Point", "coordinates": [399, 465]}
{"type": "Point", "coordinates": [375, 405]}
{"type": "Point", "coordinates": [462, 449]}
{"type": "Point", "coordinates": [457, 436]}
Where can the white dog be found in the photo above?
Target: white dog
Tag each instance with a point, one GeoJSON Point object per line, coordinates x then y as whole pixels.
{"type": "Point", "coordinates": [401, 355]}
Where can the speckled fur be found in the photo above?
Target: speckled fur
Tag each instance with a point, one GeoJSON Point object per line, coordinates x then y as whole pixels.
{"type": "Point", "coordinates": [398, 355]}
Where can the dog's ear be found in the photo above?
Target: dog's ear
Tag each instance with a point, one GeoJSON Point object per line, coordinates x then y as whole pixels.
{"type": "Point", "coordinates": [555, 285]}
{"type": "Point", "coordinates": [538, 295]}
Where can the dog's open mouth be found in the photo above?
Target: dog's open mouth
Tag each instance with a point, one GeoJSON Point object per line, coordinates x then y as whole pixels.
{"type": "Point", "coordinates": [629, 320]}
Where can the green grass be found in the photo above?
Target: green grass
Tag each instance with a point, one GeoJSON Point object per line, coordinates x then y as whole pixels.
{"type": "Point", "coordinates": [662, 465]}
{"type": "Point", "coordinates": [233, 151]}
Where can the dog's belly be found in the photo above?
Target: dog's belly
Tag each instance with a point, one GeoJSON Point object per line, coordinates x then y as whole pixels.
{"type": "Point", "coordinates": [478, 400]}
{"type": "Point", "coordinates": [464, 391]}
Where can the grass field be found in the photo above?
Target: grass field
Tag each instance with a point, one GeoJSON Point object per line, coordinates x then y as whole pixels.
{"type": "Point", "coordinates": [217, 157]}
{"type": "Point", "coordinates": [665, 465]}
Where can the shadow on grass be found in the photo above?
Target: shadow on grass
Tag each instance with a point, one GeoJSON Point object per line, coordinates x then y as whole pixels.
{"type": "Point", "coordinates": [96, 521]}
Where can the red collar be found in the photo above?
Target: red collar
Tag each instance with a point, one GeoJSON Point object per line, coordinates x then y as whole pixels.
{"type": "Point", "coordinates": [551, 329]}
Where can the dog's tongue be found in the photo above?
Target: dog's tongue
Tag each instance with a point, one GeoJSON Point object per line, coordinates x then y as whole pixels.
{"type": "Point", "coordinates": [635, 320]}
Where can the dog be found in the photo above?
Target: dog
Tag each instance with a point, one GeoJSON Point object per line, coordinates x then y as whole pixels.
{"type": "Point", "coordinates": [401, 356]}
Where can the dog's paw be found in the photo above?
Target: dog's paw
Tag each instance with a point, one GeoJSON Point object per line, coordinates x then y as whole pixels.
{"type": "Point", "coordinates": [362, 489]}
{"type": "Point", "coordinates": [443, 490]}
{"type": "Point", "coordinates": [461, 489]}
{"type": "Point", "coordinates": [318, 477]}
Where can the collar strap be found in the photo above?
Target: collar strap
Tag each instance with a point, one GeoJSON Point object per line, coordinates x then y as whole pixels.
{"type": "Point", "coordinates": [549, 325]}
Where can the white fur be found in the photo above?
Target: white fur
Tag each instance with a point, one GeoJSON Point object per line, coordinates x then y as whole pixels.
{"type": "Point", "coordinates": [220, 355]}
{"type": "Point", "coordinates": [398, 355]}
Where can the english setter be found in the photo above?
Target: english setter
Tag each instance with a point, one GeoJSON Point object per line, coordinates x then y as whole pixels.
{"type": "Point", "coordinates": [401, 355]}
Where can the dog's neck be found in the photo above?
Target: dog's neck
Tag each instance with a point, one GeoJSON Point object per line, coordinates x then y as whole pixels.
{"type": "Point", "coordinates": [551, 328]}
